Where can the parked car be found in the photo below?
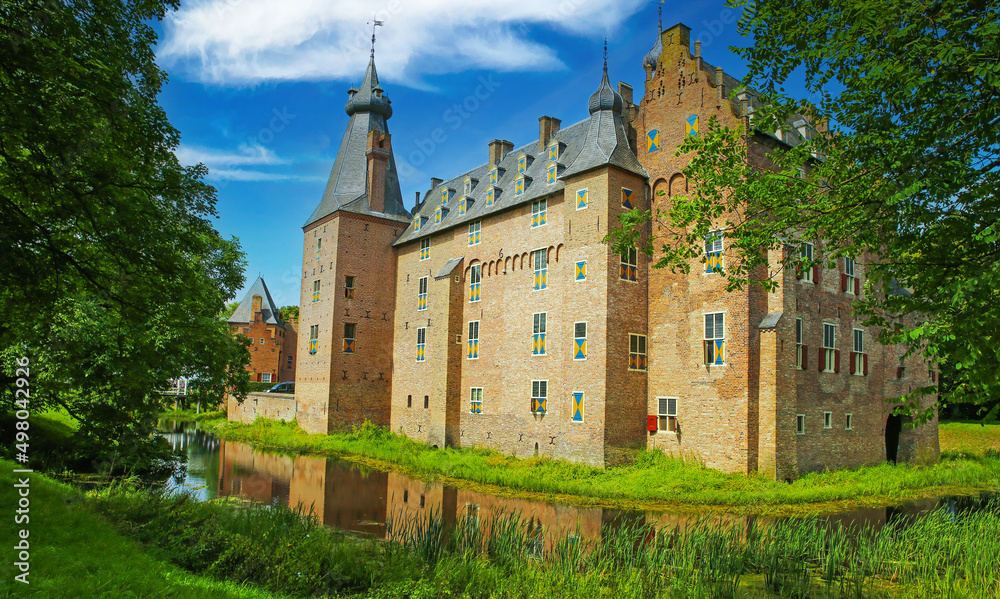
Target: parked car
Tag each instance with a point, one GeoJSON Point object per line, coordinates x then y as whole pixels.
{"type": "Point", "coordinates": [288, 387]}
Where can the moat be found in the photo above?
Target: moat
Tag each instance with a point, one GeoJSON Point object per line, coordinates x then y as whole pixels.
{"type": "Point", "coordinates": [361, 500]}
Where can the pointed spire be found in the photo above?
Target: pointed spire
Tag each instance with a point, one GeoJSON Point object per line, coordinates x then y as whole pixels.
{"type": "Point", "coordinates": [659, 20]}
{"type": "Point", "coordinates": [605, 55]}
{"type": "Point", "coordinates": [369, 97]}
{"type": "Point", "coordinates": [605, 98]}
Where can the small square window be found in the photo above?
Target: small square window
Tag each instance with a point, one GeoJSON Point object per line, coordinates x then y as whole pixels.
{"type": "Point", "coordinates": [262, 341]}
{"type": "Point", "coordinates": [667, 415]}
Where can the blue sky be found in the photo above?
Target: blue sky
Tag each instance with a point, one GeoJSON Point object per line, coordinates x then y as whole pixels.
{"type": "Point", "coordinates": [257, 89]}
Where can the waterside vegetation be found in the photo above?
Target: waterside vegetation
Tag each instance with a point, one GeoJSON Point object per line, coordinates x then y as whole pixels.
{"type": "Point", "coordinates": [651, 481]}
{"type": "Point", "coordinates": [224, 548]}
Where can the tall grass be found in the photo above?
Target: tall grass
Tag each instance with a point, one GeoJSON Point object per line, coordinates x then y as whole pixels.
{"type": "Point", "coordinates": [653, 480]}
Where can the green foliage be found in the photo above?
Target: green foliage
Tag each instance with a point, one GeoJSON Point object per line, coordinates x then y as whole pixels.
{"type": "Point", "coordinates": [289, 312]}
{"type": "Point", "coordinates": [907, 181]}
{"type": "Point", "coordinates": [113, 267]}
{"type": "Point", "coordinates": [503, 554]}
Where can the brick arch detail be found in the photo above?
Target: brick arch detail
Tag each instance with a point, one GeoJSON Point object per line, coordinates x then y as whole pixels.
{"type": "Point", "coordinates": [678, 185]}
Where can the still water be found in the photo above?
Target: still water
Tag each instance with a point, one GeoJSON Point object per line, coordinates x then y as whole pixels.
{"type": "Point", "coordinates": [359, 499]}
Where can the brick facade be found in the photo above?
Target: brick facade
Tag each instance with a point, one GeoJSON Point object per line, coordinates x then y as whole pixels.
{"type": "Point", "coordinates": [645, 338]}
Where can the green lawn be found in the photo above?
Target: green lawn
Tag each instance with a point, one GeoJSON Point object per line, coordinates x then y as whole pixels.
{"type": "Point", "coordinates": [969, 438]}
{"type": "Point", "coordinates": [654, 481]}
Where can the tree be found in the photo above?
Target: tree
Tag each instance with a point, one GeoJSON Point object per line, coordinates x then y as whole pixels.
{"type": "Point", "coordinates": [114, 276]}
{"type": "Point", "coordinates": [289, 312]}
{"type": "Point", "coordinates": [907, 176]}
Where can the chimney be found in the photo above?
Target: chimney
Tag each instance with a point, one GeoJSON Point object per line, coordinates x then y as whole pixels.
{"type": "Point", "coordinates": [256, 309]}
{"type": "Point", "coordinates": [625, 91]}
{"type": "Point", "coordinates": [679, 34]}
{"type": "Point", "coordinates": [378, 152]}
{"type": "Point", "coordinates": [498, 149]}
{"type": "Point", "coordinates": [547, 127]}
{"type": "Point", "coordinates": [718, 84]}
{"type": "Point", "coordinates": [435, 182]}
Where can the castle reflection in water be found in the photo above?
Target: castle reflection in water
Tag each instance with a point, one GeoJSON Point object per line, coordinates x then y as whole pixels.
{"type": "Point", "coordinates": [359, 499]}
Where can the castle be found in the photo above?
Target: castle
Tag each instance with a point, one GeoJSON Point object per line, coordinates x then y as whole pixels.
{"type": "Point", "coordinates": [495, 315]}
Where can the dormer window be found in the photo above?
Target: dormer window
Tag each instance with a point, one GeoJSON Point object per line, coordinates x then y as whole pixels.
{"type": "Point", "coordinates": [519, 185]}
{"type": "Point", "coordinates": [464, 205]}
{"type": "Point", "coordinates": [439, 213]}
{"type": "Point", "coordinates": [551, 173]}
{"type": "Point", "coordinates": [446, 195]}
{"type": "Point", "coordinates": [522, 164]}
{"type": "Point", "coordinates": [554, 150]}
{"type": "Point", "coordinates": [494, 175]}
{"type": "Point", "coordinates": [491, 195]}
{"type": "Point", "coordinates": [418, 220]}
{"type": "Point", "coordinates": [467, 186]}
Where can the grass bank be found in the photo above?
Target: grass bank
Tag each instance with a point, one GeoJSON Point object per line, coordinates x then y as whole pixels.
{"type": "Point", "coordinates": [74, 553]}
{"type": "Point", "coordinates": [653, 481]}
{"type": "Point", "coordinates": [501, 556]}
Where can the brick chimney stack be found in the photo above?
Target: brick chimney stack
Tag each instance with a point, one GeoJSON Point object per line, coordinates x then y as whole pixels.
{"type": "Point", "coordinates": [547, 127]}
{"type": "Point", "coordinates": [257, 317]}
{"type": "Point", "coordinates": [378, 151]}
{"type": "Point", "coordinates": [498, 149]}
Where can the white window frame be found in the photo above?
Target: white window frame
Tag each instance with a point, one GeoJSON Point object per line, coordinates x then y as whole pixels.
{"type": "Point", "coordinates": [540, 208]}
{"type": "Point", "coordinates": [629, 259]}
{"type": "Point", "coordinates": [425, 248]}
{"type": "Point", "coordinates": [539, 390]}
{"type": "Point", "coordinates": [539, 326]}
{"type": "Point", "coordinates": [422, 341]}
{"type": "Point", "coordinates": [666, 421]}
{"type": "Point", "coordinates": [641, 342]}
{"type": "Point", "coordinates": [849, 270]}
{"type": "Point", "coordinates": [475, 396]}
{"type": "Point", "coordinates": [473, 330]}
{"type": "Point", "coordinates": [715, 336]}
{"type": "Point", "coordinates": [475, 232]}
{"type": "Point", "coordinates": [806, 251]}
{"type": "Point", "coordinates": [265, 377]}
{"type": "Point", "coordinates": [714, 245]}
{"type": "Point", "coordinates": [583, 407]}
{"type": "Point", "coordinates": [829, 351]}
{"type": "Point", "coordinates": [540, 264]}
{"type": "Point", "coordinates": [475, 278]}
{"type": "Point", "coordinates": [576, 338]}
{"type": "Point", "coordinates": [799, 336]}
{"type": "Point", "coordinates": [422, 284]}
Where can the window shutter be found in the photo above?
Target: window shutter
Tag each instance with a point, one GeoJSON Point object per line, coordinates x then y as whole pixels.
{"type": "Point", "coordinates": [857, 285]}
{"type": "Point", "coordinates": [704, 351]}
{"type": "Point", "coordinates": [822, 358]}
{"type": "Point", "coordinates": [854, 362]}
{"type": "Point", "coordinates": [899, 372]}
{"type": "Point", "coordinates": [798, 270]}
{"type": "Point", "coordinates": [259, 375]}
{"type": "Point", "coordinates": [865, 358]}
{"type": "Point", "coordinates": [836, 360]}
{"type": "Point", "coordinates": [843, 281]}
{"type": "Point", "coordinates": [805, 357]}
{"type": "Point", "coordinates": [816, 274]}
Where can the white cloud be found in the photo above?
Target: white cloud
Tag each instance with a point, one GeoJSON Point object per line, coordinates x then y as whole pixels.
{"type": "Point", "coordinates": [249, 41]}
{"type": "Point", "coordinates": [246, 155]}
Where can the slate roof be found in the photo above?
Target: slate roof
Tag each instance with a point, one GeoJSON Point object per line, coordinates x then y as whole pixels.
{"type": "Point", "coordinates": [599, 140]}
{"type": "Point", "coordinates": [346, 190]}
{"type": "Point", "coordinates": [269, 312]}
{"type": "Point", "coordinates": [448, 267]}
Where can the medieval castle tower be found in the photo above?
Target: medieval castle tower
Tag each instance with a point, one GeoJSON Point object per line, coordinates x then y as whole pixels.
{"type": "Point", "coordinates": [494, 314]}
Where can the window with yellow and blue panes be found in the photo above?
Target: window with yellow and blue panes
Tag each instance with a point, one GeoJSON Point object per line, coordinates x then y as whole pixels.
{"type": "Point", "coordinates": [316, 285]}
{"type": "Point", "coordinates": [422, 293]}
{"type": "Point", "coordinates": [522, 163]}
{"type": "Point", "coordinates": [539, 396]}
{"type": "Point", "coordinates": [554, 150]}
{"type": "Point", "coordinates": [474, 340]}
{"type": "Point", "coordinates": [579, 341]}
{"type": "Point", "coordinates": [475, 280]}
{"type": "Point", "coordinates": [476, 400]}
{"type": "Point", "coordinates": [474, 231]}
{"type": "Point", "coordinates": [637, 352]}
{"type": "Point", "coordinates": [490, 195]}
{"type": "Point", "coordinates": [348, 287]}
{"type": "Point", "coordinates": [577, 413]}
{"type": "Point", "coordinates": [715, 338]}
{"type": "Point", "coordinates": [628, 199]}
{"type": "Point", "coordinates": [425, 248]}
{"type": "Point", "coordinates": [519, 183]}
{"type": "Point", "coordinates": [421, 343]}
{"type": "Point", "coordinates": [313, 338]}
{"type": "Point", "coordinates": [551, 173]}
{"type": "Point", "coordinates": [538, 334]}
{"type": "Point", "coordinates": [538, 212]}
{"type": "Point", "coordinates": [539, 262]}
{"type": "Point", "coordinates": [494, 175]}
{"type": "Point", "coordinates": [580, 271]}
{"type": "Point", "coordinates": [713, 252]}
{"type": "Point", "coordinates": [582, 196]}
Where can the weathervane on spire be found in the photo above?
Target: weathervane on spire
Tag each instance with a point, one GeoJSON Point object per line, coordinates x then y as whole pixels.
{"type": "Point", "coordinates": [375, 23]}
{"type": "Point", "coordinates": [659, 12]}
{"type": "Point", "coordinates": [605, 55]}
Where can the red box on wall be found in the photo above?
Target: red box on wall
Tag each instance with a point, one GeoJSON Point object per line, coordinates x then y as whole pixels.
{"type": "Point", "coordinates": [651, 423]}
